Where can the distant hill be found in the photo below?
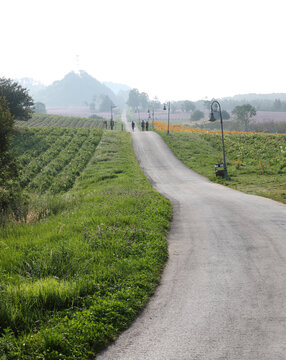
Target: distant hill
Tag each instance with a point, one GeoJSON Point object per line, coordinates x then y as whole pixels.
{"type": "Point", "coordinates": [75, 89]}
{"type": "Point", "coordinates": [254, 96]}
{"type": "Point", "coordinates": [32, 85]}
{"type": "Point", "coordinates": [117, 88]}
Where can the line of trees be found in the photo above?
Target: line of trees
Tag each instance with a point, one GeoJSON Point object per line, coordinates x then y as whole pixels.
{"type": "Point", "coordinates": [15, 103]}
{"type": "Point", "coordinates": [140, 102]}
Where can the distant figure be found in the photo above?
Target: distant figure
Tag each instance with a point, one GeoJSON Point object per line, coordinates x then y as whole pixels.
{"type": "Point", "coordinates": [147, 125]}
{"type": "Point", "coordinates": [133, 125]}
{"type": "Point", "coordinates": [142, 125]}
{"type": "Point", "coordinates": [111, 124]}
{"type": "Point", "coordinates": [105, 124]}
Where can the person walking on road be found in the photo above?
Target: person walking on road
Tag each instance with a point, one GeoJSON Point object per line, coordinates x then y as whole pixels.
{"type": "Point", "coordinates": [133, 125]}
{"type": "Point", "coordinates": [147, 125]}
{"type": "Point", "coordinates": [142, 125]}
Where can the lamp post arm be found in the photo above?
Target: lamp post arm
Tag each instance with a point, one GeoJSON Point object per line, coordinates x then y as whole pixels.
{"type": "Point", "coordinates": [222, 138]}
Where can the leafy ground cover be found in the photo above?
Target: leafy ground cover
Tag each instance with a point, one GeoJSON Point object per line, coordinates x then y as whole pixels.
{"type": "Point", "coordinates": [51, 159]}
{"type": "Point", "coordinates": [48, 120]}
{"type": "Point", "coordinates": [72, 281]}
{"type": "Point", "coordinates": [256, 163]}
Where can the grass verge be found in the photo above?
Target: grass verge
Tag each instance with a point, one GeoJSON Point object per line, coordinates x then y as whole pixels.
{"type": "Point", "coordinates": [73, 281]}
{"type": "Point", "coordinates": [256, 163]}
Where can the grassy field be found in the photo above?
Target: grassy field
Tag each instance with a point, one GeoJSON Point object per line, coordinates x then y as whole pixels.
{"type": "Point", "coordinates": [48, 120]}
{"type": "Point", "coordinates": [256, 163]}
{"type": "Point", "coordinates": [71, 282]}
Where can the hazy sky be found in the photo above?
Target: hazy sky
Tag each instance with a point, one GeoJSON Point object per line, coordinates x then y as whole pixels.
{"type": "Point", "coordinates": [173, 49]}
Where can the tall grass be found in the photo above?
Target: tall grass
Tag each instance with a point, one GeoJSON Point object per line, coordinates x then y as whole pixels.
{"type": "Point", "coordinates": [72, 281]}
{"type": "Point", "coordinates": [256, 162]}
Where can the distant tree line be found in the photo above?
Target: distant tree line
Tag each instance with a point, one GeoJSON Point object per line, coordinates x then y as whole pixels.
{"type": "Point", "coordinates": [140, 102]}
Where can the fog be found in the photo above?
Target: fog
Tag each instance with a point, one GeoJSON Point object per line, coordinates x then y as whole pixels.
{"type": "Point", "coordinates": [174, 50]}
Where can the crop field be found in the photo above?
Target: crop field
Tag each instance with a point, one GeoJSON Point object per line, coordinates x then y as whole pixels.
{"type": "Point", "coordinates": [78, 111]}
{"type": "Point", "coordinates": [256, 163]}
{"type": "Point", "coordinates": [73, 280]}
{"type": "Point", "coordinates": [45, 120]}
{"type": "Point", "coordinates": [51, 159]}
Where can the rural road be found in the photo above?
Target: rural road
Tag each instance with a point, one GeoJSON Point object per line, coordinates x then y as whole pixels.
{"type": "Point", "coordinates": [223, 291]}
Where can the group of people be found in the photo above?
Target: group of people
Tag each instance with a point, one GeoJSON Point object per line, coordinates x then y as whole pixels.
{"type": "Point", "coordinates": [144, 125]}
{"type": "Point", "coordinates": [111, 124]}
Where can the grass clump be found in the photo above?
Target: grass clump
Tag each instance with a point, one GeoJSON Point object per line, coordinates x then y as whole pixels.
{"type": "Point", "coordinates": [256, 163]}
{"type": "Point", "coordinates": [73, 281]}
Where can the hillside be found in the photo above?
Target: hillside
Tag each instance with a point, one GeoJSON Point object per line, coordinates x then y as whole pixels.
{"type": "Point", "coordinates": [75, 89]}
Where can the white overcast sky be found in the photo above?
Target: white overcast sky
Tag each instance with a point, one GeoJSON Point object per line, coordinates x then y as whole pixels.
{"type": "Point", "coordinates": [173, 49]}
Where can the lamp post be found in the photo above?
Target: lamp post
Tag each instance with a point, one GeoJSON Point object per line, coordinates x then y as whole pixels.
{"type": "Point", "coordinates": [165, 108]}
{"type": "Point", "coordinates": [149, 116]}
{"type": "Point", "coordinates": [111, 116]}
{"type": "Point", "coordinates": [212, 118]}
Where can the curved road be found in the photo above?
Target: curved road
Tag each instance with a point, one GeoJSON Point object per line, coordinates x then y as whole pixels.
{"type": "Point", "coordinates": [223, 292]}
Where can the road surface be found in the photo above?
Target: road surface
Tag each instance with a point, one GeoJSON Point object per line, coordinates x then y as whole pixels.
{"type": "Point", "coordinates": [223, 292]}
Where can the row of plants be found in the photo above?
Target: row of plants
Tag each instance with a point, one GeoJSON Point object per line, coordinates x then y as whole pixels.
{"type": "Point", "coordinates": [48, 120]}
{"type": "Point", "coordinates": [234, 125]}
{"type": "Point", "coordinates": [256, 162]}
{"type": "Point", "coordinates": [73, 281]}
{"type": "Point", "coordinates": [55, 164]}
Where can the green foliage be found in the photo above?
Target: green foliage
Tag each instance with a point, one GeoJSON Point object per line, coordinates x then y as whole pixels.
{"type": "Point", "coordinates": [106, 104]}
{"type": "Point", "coordinates": [243, 114]}
{"type": "Point", "coordinates": [71, 283]}
{"type": "Point", "coordinates": [256, 162]}
{"type": "Point", "coordinates": [197, 115]}
{"type": "Point", "coordinates": [19, 101]}
{"type": "Point", "coordinates": [12, 203]}
{"type": "Point", "coordinates": [47, 120]}
{"type": "Point", "coordinates": [188, 105]}
{"type": "Point", "coordinates": [55, 156]}
{"type": "Point", "coordinates": [40, 108]}
{"type": "Point", "coordinates": [225, 115]}
{"type": "Point", "coordinates": [137, 100]}
{"type": "Point", "coordinates": [6, 125]}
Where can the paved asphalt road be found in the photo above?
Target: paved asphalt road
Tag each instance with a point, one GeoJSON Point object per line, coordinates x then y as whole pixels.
{"type": "Point", "coordinates": [223, 291]}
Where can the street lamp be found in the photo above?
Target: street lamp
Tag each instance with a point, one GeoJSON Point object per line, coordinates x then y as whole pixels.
{"type": "Point", "coordinates": [212, 118]}
{"type": "Point", "coordinates": [111, 116]}
{"type": "Point", "coordinates": [149, 115]}
{"type": "Point", "coordinates": [165, 108]}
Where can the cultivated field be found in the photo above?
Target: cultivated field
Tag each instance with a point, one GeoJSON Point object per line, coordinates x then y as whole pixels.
{"type": "Point", "coordinates": [74, 277]}
{"type": "Point", "coordinates": [256, 162]}
{"type": "Point", "coordinates": [52, 158]}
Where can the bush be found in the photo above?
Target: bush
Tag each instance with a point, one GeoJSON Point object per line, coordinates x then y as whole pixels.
{"type": "Point", "coordinates": [197, 115]}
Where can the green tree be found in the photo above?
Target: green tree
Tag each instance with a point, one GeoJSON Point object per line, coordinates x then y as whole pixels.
{"type": "Point", "coordinates": [188, 106]}
{"type": "Point", "coordinates": [197, 115]}
{"type": "Point", "coordinates": [225, 115]}
{"type": "Point", "coordinates": [6, 125]}
{"type": "Point", "coordinates": [19, 101]}
{"type": "Point", "coordinates": [133, 99]}
{"type": "Point", "coordinates": [277, 105]}
{"type": "Point", "coordinates": [155, 104]}
{"type": "Point", "coordinates": [244, 113]}
{"type": "Point", "coordinates": [11, 199]}
{"type": "Point", "coordinates": [40, 108]}
{"type": "Point", "coordinates": [144, 101]}
{"type": "Point", "coordinates": [106, 104]}
{"type": "Point", "coordinates": [137, 100]}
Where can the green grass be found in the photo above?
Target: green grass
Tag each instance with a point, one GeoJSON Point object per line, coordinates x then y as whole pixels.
{"type": "Point", "coordinates": [48, 120]}
{"type": "Point", "coordinates": [73, 281]}
{"type": "Point", "coordinates": [256, 163]}
{"type": "Point", "coordinates": [51, 158]}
